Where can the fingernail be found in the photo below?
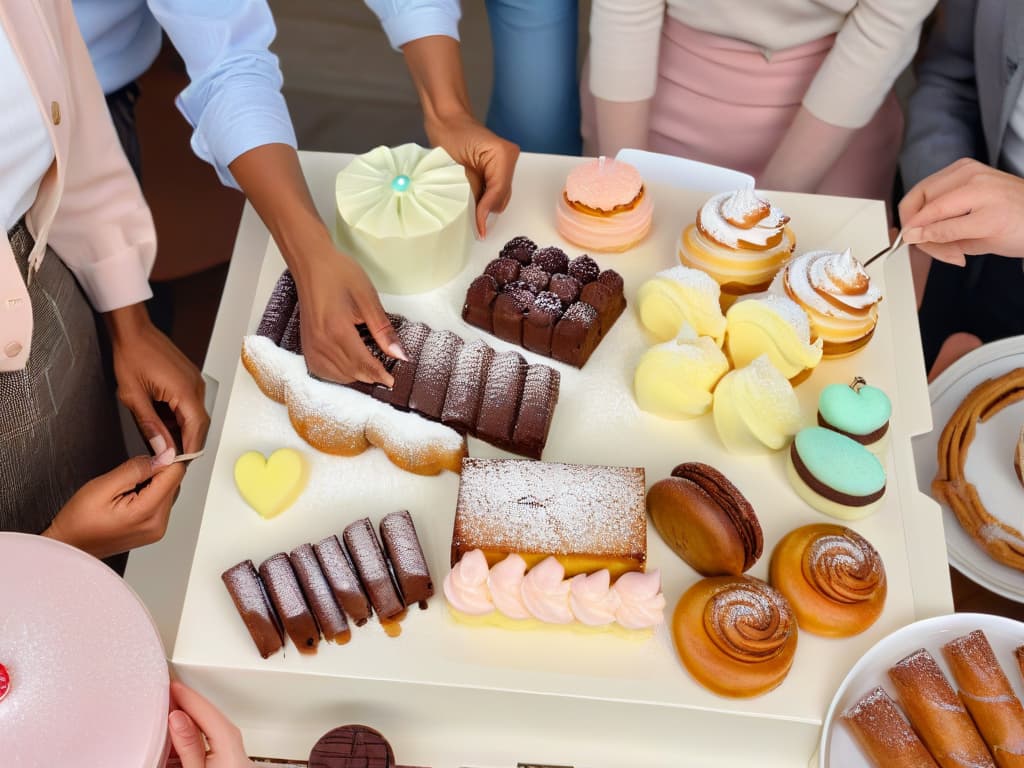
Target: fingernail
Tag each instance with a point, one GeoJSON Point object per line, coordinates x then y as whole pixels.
{"type": "Point", "coordinates": [396, 351]}
{"type": "Point", "coordinates": [158, 444]}
{"type": "Point", "coordinates": [179, 722]}
{"type": "Point", "coordinates": [163, 459]}
{"type": "Point", "coordinates": [912, 235]}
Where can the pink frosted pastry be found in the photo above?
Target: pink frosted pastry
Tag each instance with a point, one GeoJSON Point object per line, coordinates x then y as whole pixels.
{"type": "Point", "coordinates": [87, 681]}
{"type": "Point", "coordinates": [604, 206]}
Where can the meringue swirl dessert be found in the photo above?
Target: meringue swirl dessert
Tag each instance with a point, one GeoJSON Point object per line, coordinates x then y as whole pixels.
{"type": "Point", "coordinates": [838, 296]}
{"type": "Point", "coordinates": [739, 239]}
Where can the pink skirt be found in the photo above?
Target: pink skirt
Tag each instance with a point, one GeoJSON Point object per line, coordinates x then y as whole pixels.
{"type": "Point", "coordinates": [720, 101]}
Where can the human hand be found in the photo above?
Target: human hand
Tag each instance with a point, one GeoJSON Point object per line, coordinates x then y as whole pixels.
{"type": "Point", "coordinates": [125, 508]}
{"type": "Point", "coordinates": [489, 160]}
{"type": "Point", "coordinates": [336, 295]}
{"type": "Point", "coordinates": [150, 368]}
{"type": "Point", "coordinates": [193, 718]}
{"type": "Point", "coordinates": [967, 208]}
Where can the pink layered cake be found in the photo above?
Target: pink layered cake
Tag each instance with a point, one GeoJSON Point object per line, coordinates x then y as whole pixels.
{"type": "Point", "coordinates": [86, 674]}
{"type": "Point", "coordinates": [604, 206]}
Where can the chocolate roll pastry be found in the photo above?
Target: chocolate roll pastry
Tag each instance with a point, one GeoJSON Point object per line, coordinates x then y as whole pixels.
{"type": "Point", "coordinates": [478, 308]}
{"type": "Point", "coordinates": [253, 605]}
{"type": "Point", "coordinates": [405, 554]}
{"type": "Point", "coordinates": [500, 404]}
{"type": "Point", "coordinates": [286, 596]}
{"type": "Point", "coordinates": [437, 359]}
{"type": "Point", "coordinates": [466, 386]}
{"type": "Point", "coordinates": [536, 411]}
{"type": "Point", "coordinates": [279, 309]}
{"type": "Point", "coordinates": [884, 735]}
{"type": "Point", "coordinates": [318, 594]}
{"type": "Point", "coordinates": [341, 577]}
{"type": "Point", "coordinates": [291, 339]}
{"type": "Point", "coordinates": [937, 713]}
{"type": "Point", "coordinates": [368, 558]}
{"type": "Point", "coordinates": [412, 337]}
{"type": "Point", "coordinates": [988, 696]}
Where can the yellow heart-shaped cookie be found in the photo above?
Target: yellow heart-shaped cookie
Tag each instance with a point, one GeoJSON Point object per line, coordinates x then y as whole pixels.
{"type": "Point", "coordinates": [271, 485]}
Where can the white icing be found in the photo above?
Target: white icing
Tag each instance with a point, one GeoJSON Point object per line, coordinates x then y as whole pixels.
{"type": "Point", "coordinates": [814, 273]}
{"type": "Point", "coordinates": [718, 214]}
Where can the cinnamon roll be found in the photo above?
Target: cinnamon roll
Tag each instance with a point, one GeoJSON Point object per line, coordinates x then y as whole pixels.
{"type": "Point", "coordinates": [739, 239]}
{"type": "Point", "coordinates": [735, 635]}
{"type": "Point", "coordinates": [838, 296]}
{"type": "Point", "coordinates": [833, 578]}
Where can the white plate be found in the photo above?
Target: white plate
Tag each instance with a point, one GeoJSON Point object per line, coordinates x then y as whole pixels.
{"type": "Point", "coordinates": [989, 462]}
{"type": "Point", "coordinates": [838, 748]}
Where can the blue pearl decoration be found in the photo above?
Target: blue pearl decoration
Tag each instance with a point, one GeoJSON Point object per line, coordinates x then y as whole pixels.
{"type": "Point", "coordinates": [401, 183]}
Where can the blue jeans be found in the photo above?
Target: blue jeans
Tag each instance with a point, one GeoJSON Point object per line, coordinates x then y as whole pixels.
{"type": "Point", "coordinates": [535, 101]}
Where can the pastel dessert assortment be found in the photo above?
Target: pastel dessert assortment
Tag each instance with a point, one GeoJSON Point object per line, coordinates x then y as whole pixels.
{"type": "Point", "coordinates": [706, 520]}
{"type": "Point", "coordinates": [314, 590]}
{"type": "Point", "coordinates": [675, 379]}
{"type": "Point", "coordinates": [270, 484]}
{"type": "Point", "coordinates": [774, 326]}
{"type": "Point", "coordinates": [540, 299]}
{"type": "Point", "coordinates": [397, 205]}
{"type": "Point", "coordinates": [857, 410]}
{"type": "Point", "coordinates": [604, 206]}
{"type": "Point", "coordinates": [838, 296]}
{"type": "Point", "coordinates": [740, 239]}
{"type": "Point", "coordinates": [679, 297]}
{"type": "Point", "coordinates": [835, 474]}
{"type": "Point", "coordinates": [83, 673]}
{"type": "Point", "coordinates": [755, 408]}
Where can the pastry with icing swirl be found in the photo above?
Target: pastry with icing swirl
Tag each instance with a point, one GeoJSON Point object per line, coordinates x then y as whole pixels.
{"type": "Point", "coordinates": [838, 295]}
{"type": "Point", "coordinates": [736, 635]}
{"type": "Point", "coordinates": [833, 578]}
{"type": "Point", "coordinates": [739, 239]}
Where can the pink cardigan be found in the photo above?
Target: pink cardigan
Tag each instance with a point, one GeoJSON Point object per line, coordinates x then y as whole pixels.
{"type": "Point", "coordinates": [89, 207]}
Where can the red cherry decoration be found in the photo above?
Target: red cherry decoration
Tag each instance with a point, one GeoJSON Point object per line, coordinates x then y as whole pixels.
{"type": "Point", "coordinates": [5, 682]}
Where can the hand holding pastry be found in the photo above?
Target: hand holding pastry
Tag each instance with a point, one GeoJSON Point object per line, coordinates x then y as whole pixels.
{"type": "Point", "coordinates": [150, 368]}
{"type": "Point", "coordinates": [195, 723]}
{"type": "Point", "coordinates": [967, 208]}
{"type": "Point", "coordinates": [125, 508]}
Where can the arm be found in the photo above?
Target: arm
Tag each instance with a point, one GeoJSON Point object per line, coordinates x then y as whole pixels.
{"type": "Point", "coordinates": [435, 65]}
{"type": "Point", "coordinates": [874, 45]}
{"type": "Point", "coordinates": [624, 39]}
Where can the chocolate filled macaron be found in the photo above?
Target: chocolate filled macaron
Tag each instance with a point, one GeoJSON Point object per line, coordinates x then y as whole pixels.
{"type": "Point", "coordinates": [706, 520]}
{"type": "Point", "coordinates": [835, 474]}
{"type": "Point", "coordinates": [859, 411]}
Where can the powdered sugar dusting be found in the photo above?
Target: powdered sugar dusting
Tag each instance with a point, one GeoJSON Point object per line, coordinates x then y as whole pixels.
{"type": "Point", "coordinates": [719, 218]}
{"type": "Point", "coordinates": [276, 572]}
{"type": "Point", "coordinates": [790, 312]}
{"type": "Point", "coordinates": [561, 509]}
{"type": "Point", "coordinates": [749, 621]}
{"type": "Point", "coordinates": [877, 715]}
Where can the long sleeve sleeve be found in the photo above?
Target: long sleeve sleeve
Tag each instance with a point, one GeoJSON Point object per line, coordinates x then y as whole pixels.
{"type": "Point", "coordinates": [407, 20]}
{"type": "Point", "coordinates": [624, 39]}
{"type": "Point", "coordinates": [102, 228]}
{"type": "Point", "coordinates": [943, 116]}
{"type": "Point", "coordinates": [234, 99]}
{"type": "Point", "coordinates": [874, 45]}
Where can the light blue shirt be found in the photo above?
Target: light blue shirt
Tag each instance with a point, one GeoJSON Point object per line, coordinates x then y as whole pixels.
{"type": "Point", "coordinates": [406, 20]}
{"type": "Point", "coordinates": [233, 101]}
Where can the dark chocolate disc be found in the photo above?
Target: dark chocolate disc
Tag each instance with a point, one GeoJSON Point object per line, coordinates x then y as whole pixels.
{"type": "Point", "coordinates": [352, 746]}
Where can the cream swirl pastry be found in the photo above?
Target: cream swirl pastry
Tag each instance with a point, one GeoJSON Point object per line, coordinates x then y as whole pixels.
{"type": "Point", "coordinates": [838, 296]}
{"type": "Point", "coordinates": [591, 598]}
{"type": "Point", "coordinates": [679, 297]}
{"type": "Point", "coordinates": [755, 407]}
{"type": "Point", "coordinates": [465, 586]}
{"type": "Point", "coordinates": [505, 581]}
{"type": "Point", "coordinates": [641, 603]}
{"type": "Point", "coordinates": [833, 578]}
{"type": "Point", "coordinates": [739, 239]}
{"type": "Point", "coordinates": [546, 592]}
{"type": "Point", "coordinates": [775, 326]}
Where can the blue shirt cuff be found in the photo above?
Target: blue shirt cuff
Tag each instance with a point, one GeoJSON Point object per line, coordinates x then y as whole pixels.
{"type": "Point", "coordinates": [405, 27]}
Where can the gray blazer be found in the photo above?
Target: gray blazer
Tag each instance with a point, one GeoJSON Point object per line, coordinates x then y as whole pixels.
{"type": "Point", "coordinates": [969, 81]}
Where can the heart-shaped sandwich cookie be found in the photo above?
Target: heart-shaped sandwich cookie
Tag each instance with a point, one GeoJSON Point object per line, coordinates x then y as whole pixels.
{"type": "Point", "coordinates": [859, 411]}
{"type": "Point", "coordinates": [706, 520]}
{"type": "Point", "coordinates": [270, 485]}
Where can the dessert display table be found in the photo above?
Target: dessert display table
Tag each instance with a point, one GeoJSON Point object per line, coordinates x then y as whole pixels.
{"type": "Point", "coordinates": [449, 695]}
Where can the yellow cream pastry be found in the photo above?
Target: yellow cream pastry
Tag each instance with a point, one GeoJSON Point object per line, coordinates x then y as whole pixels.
{"type": "Point", "coordinates": [756, 407]}
{"type": "Point", "coordinates": [838, 296]}
{"type": "Point", "coordinates": [675, 379]}
{"type": "Point", "coordinates": [739, 239]}
{"type": "Point", "coordinates": [774, 326]}
{"type": "Point", "coordinates": [406, 214]}
{"type": "Point", "coordinates": [270, 485]}
{"type": "Point", "coordinates": [679, 297]}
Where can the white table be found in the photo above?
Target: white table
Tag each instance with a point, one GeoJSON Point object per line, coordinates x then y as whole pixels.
{"type": "Point", "coordinates": [413, 716]}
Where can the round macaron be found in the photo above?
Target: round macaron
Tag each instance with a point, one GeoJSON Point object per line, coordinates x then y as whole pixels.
{"type": "Point", "coordinates": [859, 411]}
{"type": "Point", "coordinates": [835, 474]}
{"type": "Point", "coordinates": [706, 520]}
